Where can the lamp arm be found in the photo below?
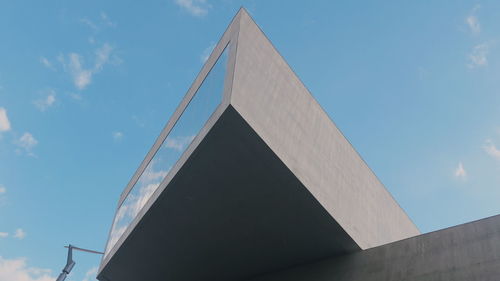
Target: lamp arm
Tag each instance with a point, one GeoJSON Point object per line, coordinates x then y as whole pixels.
{"type": "Point", "coordinates": [70, 263]}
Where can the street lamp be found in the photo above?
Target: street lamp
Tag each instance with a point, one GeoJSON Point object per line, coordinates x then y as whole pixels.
{"type": "Point", "coordinates": [70, 263]}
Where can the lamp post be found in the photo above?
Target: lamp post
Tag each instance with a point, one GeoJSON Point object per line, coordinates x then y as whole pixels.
{"type": "Point", "coordinates": [70, 263]}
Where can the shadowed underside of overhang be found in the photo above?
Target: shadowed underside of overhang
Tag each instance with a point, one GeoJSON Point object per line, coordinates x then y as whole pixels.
{"type": "Point", "coordinates": [233, 211]}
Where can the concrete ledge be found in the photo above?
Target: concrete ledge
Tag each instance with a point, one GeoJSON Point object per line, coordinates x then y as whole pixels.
{"type": "Point", "coordinates": [468, 252]}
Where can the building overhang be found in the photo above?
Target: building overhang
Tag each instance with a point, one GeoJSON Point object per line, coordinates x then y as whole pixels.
{"type": "Point", "coordinates": [233, 211]}
{"type": "Point", "coordinates": [265, 181]}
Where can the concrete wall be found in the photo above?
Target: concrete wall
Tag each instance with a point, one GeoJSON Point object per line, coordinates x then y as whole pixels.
{"type": "Point", "coordinates": [281, 110]}
{"type": "Point", "coordinates": [466, 252]}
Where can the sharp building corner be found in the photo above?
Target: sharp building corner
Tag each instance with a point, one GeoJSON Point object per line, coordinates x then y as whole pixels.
{"type": "Point", "coordinates": [262, 185]}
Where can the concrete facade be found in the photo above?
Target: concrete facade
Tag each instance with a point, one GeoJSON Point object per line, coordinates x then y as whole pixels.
{"type": "Point", "coordinates": [270, 189]}
{"type": "Point", "coordinates": [276, 104]}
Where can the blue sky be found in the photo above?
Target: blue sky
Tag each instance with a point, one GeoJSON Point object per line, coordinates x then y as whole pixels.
{"type": "Point", "coordinates": [86, 87]}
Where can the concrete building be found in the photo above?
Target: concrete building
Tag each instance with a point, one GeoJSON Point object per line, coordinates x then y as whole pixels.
{"type": "Point", "coordinates": [251, 180]}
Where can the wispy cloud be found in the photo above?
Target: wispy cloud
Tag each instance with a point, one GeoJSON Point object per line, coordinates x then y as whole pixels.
{"type": "Point", "coordinates": [27, 142]}
{"type": "Point", "coordinates": [89, 23]}
{"type": "Point", "coordinates": [206, 53]}
{"type": "Point", "coordinates": [472, 20]}
{"type": "Point", "coordinates": [147, 184]}
{"type": "Point", "coordinates": [460, 171]}
{"type": "Point", "coordinates": [106, 20]}
{"type": "Point", "coordinates": [81, 75]}
{"type": "Point", "coordinates": [3, 190]}
{"type": "Point", "coordinates": [139, 122]}
{"type": "Point", "coordinates": [4, 234]}
{"type": "Point", "coordinates": [4, 120]}
{"type": "Point", "coordinates": [117, 135]}
{"type": "Point", "coordinates": [479, 55]}
{"type": "Point", "coordinates": [151, 175]}
{"type": "Point", "coordinates": [491, 149]}
{"type": "Point", "coordinates": [47, 63]}
{"type": "Point", "coordinates": [46, 102]}
{"type": "Point", "coordinates": [20, 234]}
{"type": "Point", "coordinates": [90, 274]}
{"type": "Point", "coordinates": [196, 8]}
{"type": "Point", "coordinates": [102, 56]}
{"type": "Point", "coordinates": [178, 143]}
{"type": "Point", "coordinates": [99, 23]}
{"type": "Point", "coordinates": [18, 270]}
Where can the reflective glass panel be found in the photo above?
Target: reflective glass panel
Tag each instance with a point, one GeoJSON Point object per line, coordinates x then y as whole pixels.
{"type": "Point", "coordinates": [194, 117]}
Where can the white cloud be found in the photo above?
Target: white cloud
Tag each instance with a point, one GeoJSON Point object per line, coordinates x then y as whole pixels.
{"type": "Point", "coordinates": [149, 182]}
{"type": "Point", "coordinates": [479, 55]}
{"type": "Point", "coordinates": [19, 234]}
{"type": "Point", "coordinates": [4, 234]}
{"type": "Point", "coordinates": [90, 274]}
{"type": "Point", "coordinates": [196, 8]}
{"type": "Point", "coordinates": [491, 149]}
{"type": "Point", "coordinates": [97, 25]}
{"type": "Point", "coordinates": [460, 171]}
{"type": "Point", "coordinates": [136, 199]}
{"type": "Point", "coordinates": [17, 270]}
{"type": "Point", "coordinates": [117, 135]}
{"type": "Point", "coordinates": [206, 53]}
{"type": "Point", "coordinates": [106, 20]}
{"type": "Point", "coordinates": [28, 142]}
{"type": "Point", "coordinates": [3, 190]}
{"type": "Point", "coordinates": [129, 209]}
{"type": "Point", "coordinates": [102, 56]}
{"type": "Point", "coordinates": [145, 193]}
{"type": "Point", "coordinates": [46, 63]}
{"type": "Point", "coordinates": [4, 120]}
{"type": "Point", "coordinates": [81, 75]}
{"type": "Point", "coordinates": [48, 101]}
{"type": "Point", "coordinates": [89, 23]}
{"type": "Point", "coordinates": [472, 21]}
{"type": "Point", "coordinates": [150, 175]}
{"type": "Point", "coordinates": [178, 143]}
{"type": "Point", "coordinates": [138, 121]}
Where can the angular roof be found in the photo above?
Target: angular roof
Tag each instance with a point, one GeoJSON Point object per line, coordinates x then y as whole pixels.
{"type": "Point", "coordinates": [249, 176]}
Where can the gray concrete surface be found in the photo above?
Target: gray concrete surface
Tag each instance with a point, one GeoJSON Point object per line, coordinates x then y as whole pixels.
{"type": "Point", "coordinates": [468, 252]}
{"type": "Point", "coordinates": [276, 104]}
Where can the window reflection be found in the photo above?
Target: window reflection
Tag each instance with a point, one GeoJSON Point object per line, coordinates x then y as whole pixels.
{"type": "Point", "coordinates": [194, 117]}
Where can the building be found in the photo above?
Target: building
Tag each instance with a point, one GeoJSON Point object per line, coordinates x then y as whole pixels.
{"type": "Point", "coordinates": [251, 180]}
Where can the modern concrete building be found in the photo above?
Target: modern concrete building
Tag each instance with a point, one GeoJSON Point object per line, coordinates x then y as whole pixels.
{"type": "Point", "coordinates": [251, 180]}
